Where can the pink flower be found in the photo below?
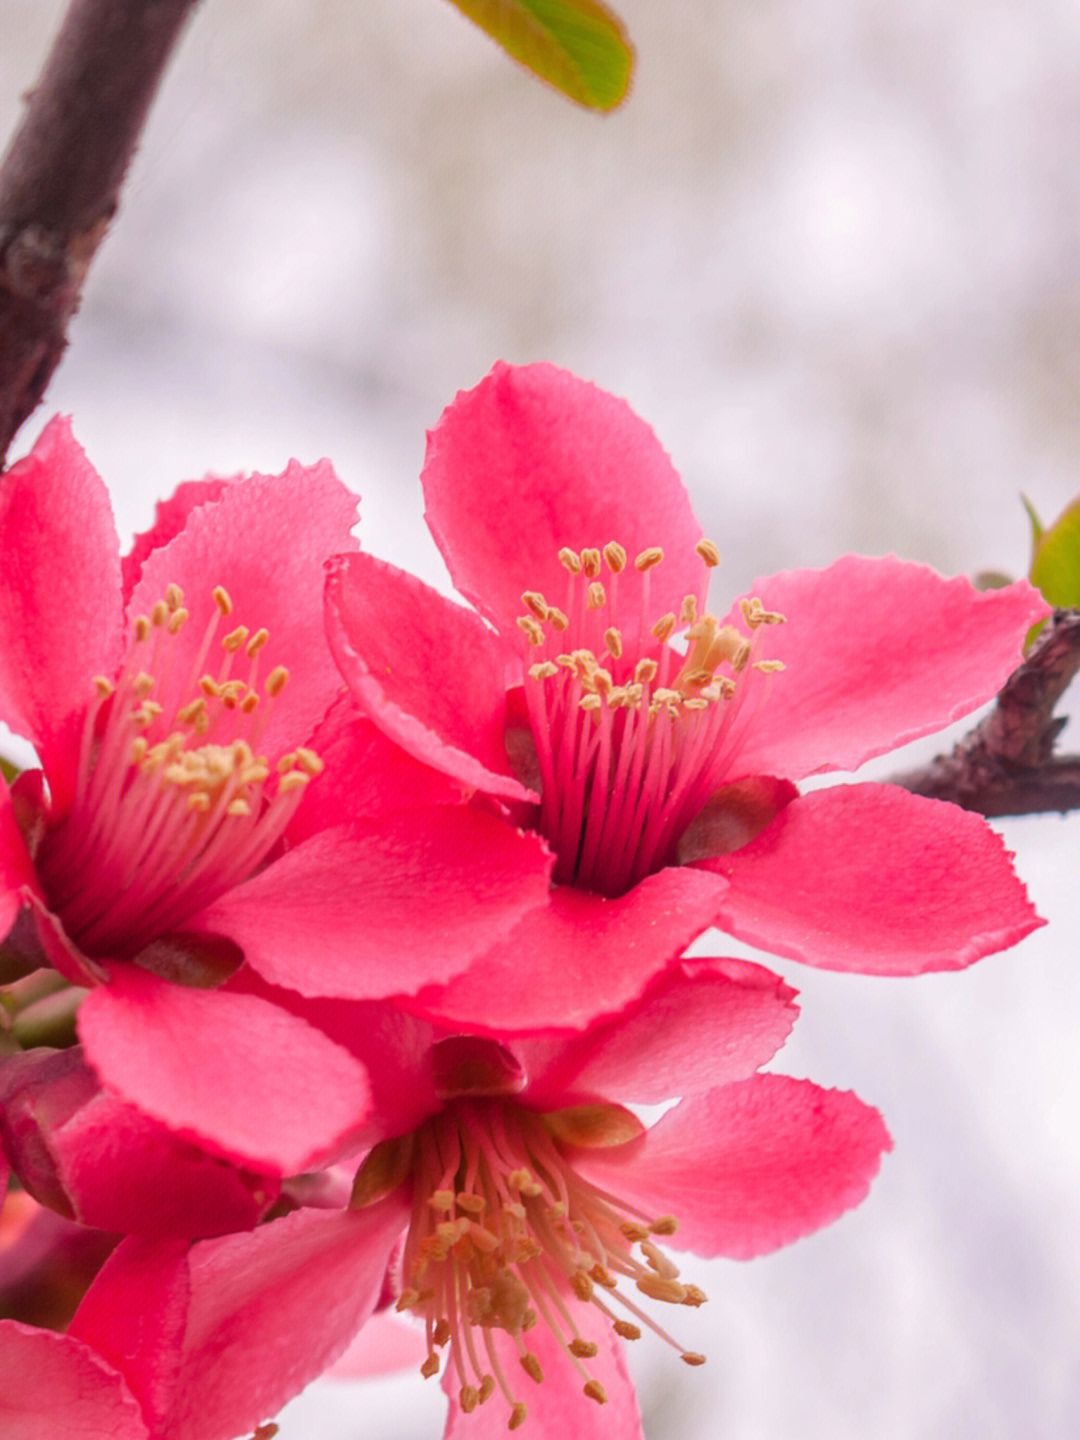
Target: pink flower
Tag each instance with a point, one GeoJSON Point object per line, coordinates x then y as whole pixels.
{"type": "Point", "coordinates": [662, 775]}
{"type": "Point", "coordinates": [181, 701]}
{"type": "Point", "coordinates": [514, 1206]}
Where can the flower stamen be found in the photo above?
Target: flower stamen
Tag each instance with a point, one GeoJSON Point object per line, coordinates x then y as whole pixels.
{"type": "Point", "coordinates": [172, 803]}
{"type": "Point", "coordinates": [630, 746]}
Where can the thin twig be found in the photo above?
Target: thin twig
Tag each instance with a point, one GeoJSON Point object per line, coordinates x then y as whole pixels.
{"type": "Point", "coordinates": [60, 179]}
{"type": "Point", "coordinates": [1007, 765]}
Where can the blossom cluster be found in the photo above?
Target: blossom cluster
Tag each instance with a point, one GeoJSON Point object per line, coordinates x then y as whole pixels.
{"type": "Point", "coordinates": [346, 924]}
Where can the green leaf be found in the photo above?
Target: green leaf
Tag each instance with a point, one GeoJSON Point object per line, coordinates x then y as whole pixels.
{"type": "Point", "coordinates": [1055, 568]}
{"type": "Point", "coordinates": [1037, 526]}
{"type": "Point", "coordinates": [579, 46]}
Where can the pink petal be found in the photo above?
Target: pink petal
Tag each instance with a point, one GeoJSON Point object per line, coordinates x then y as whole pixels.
{"type": "Point", "coordinates": [135, 1316]}
{"type": "Point", "coordinates": [878, 652]}
{"type": "Point", "coordinates": [400, 902]}
{"type": "Point", "coordinates": [556, 1406]}
{"type": "Point", "coordinates": [263, 1313]}
{"type": "Point", "coordinates": [271, 1310]}
{"type": "Point", "coordinates": [231, 1072]}
{"type": "Point", "coordinates": [693, 1028]}
{"type": "Point", "coordinates": [431, 674]}
{"type": "Point", "coordinates": [384, 1345]}
{"type": "Point", "coordinates": [534, 459]}
{"type": "Point", "coordinates": [392, 1045]}
{"type": "Point", "coordinates": [366, 775]}
{"type": "Point", "coordinates": [578, 957]}
{"type": "Point", "coordinates": [62, 1389]}
{"type": "Point", "coordinates": [126, 1173]}
{"type": "Point", "coordinates": [60, 617]}
{"type": "Point", "coordinates": [750, 1166]}
{"type": "Point", "coordinates": [265, 540]}
{"type": "Point", "coordinates": [16, 867]}
{"type": "Point", "coordinates": [872, 879]}
{"type": "Point", "coordinates": [170, 517]}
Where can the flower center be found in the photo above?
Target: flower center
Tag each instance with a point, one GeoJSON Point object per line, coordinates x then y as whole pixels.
{"type": "Point", "coordinates": [172, 803]}
{"type": "Point", "coordinates": [506, 1235]}
{"type": "Point", "coordinates": [630, 746]}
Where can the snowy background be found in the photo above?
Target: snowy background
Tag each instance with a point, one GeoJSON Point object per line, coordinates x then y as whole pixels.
{"type": "Point", "coordinates": [831, 251]}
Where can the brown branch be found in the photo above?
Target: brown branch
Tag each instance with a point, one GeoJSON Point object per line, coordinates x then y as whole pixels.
{"type": "Point", "coordinates": [1007, 765]}
{"type": "Point", "coordinates": [60, 179]}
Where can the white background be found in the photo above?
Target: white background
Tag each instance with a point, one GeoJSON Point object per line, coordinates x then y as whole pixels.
{"type": "Point", "coordinates": [831, 251]}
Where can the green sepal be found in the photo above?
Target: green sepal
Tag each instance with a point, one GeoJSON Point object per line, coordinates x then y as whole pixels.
{"type": "Point", "coordinates": [579, 46]}
{"type": "Point", "coordinates": [1055, 564]}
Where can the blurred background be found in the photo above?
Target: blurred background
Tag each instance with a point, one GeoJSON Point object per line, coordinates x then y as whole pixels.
{"type": "Point", "coordinates": [830, 250]}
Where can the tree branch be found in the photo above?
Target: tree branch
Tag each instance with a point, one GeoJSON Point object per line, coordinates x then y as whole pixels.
{"type": "Point", "coordinates": [1006, 765]}
{"type": "Point", "coordinates": [60, 179]}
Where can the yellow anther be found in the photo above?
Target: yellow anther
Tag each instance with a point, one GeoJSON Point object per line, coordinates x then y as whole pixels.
{"type": "Point", "coordinates": [487, 1387]}
{"type": "Point", "coordinates": [694, 1296]}
{"type": "Point", "coordinates": [658, 1287]}
{"type": "Point", "coordinates": [177, 621]}
{"type": "Point", "coordinates": [583, 1349]}
{"type": "Point", "coordinates": [294, 780]}
{"type": "Point", "coordinates": [174, 596]}
{"type": "Point", "coordinates": [615, 556]}
{"type": "Point", "coordinates": [535, 603]}
{"type": "Point", "coordinates": [648, 558]}
{"type": "Point", "coordinates": [590, 563]}
{"type": "Point", "coordinates": [222, 600]}
{"type": "Point", "coordinates": [532, 629]}
{"type": "Point", "coordinates": [159, 614]}
{"type": "Point", "coordinates": [276, 680]}
{"type": "Point", "coordinates": [407, 1299]}
{"type": "Point", "coordinates": [625, 1330]}
{"type": "Point", "coordinates": [250, 703]}
{"type": "Point", "coordinates": [768, 667]}
{"type": "Point", "coordinates": [308, 761]}
{"type": "Point", "coordinates": [138, 750]}
{"type": "Point", "coordinates": [570, 560]}
{"type": "Point", "coordinates": [543, 670]}
{"type": "Point", "coordinates": [664, 628]}
{"type": "Point", "coordinates": [198, 801]}
{"type": "Point", "coordinates": [557, 620]}
{"type": "Point", "coordinates": [658, 1261]}
{"type": "Point", "coordinates": [691, 1357]}
{"type": "Point", "coordinates": [256, 643]}
{"type": "Point", "coordinates": [210, 687]}
{"type": "Point", "coordinates": [523, 1183]}
{"type": "Point", "coordinates": [235, 638]}
{"type": "Point", "coordinates": [595, 1391]}
{"type": "Point", "coordinates": [633, 1231]}
{"type": "Point", "coordinates": [141, 628]}
{"type": "Point", "coordinates": [597, 596]}
{"type": "Point", "coordinates": [688, 610]}
{"type": "Point", "coordinates": [531, 1365]}
{"type": "Point", "coordinates": [755, 614]}
{"type": "Point", "coordinates": [482, 1238]}
{"type": "Point", "coordinates": [603, 1276]}
{"type": "Point", "coordinates": [441, 1200]}
{"type": "Point", "coordinates": [590, 702]}
{"type": "Point", "coordinates": [430, 1367]}
{"type": "Point", "coordinates": [471, 1204]}
{"type": "Point", "coordinates": [708, 552]}
{"type": "Point", "coordinates": [664, 1225]}
{"type": "Point", "coordinates": [581, 1284]}
{"type": "Point", "coordinates": [143, 684]}
{"type": "Point", "coordinates": [468, 1398]}
{"type": "Point", "coordinates": [440, 1335]}
{"type": "Point", "coordinates": [518, 1414]}
{"type": "Point", "coordinates": [613, 642]}
{"type": "Point", "coordinates": [103, 686]}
